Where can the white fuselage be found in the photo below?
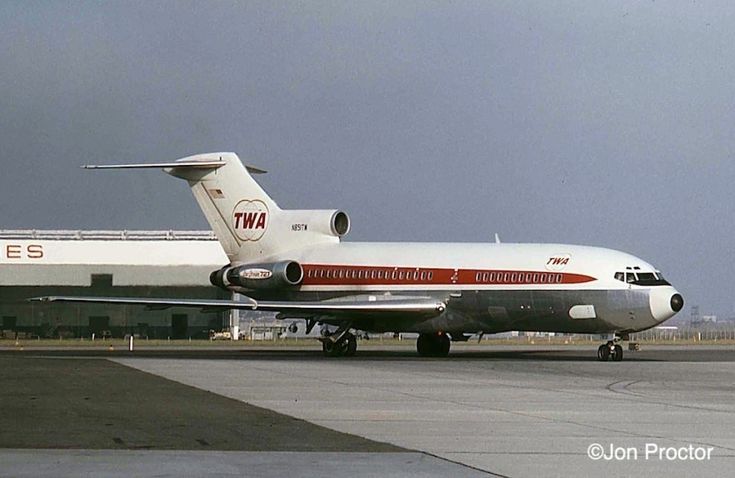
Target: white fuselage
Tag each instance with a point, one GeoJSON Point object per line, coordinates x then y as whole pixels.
{"type": "Point", "coordinates": [492, 287]}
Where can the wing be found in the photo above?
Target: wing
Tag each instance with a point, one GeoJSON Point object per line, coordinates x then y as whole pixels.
{"type": "Point", "coordinates": [353, 307]}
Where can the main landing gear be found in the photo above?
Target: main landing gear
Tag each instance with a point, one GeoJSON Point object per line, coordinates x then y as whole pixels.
{"type": "Point", "coordinates": [340, 345]}
{"type": "Point", "coordinates": [433, 345]}
{"type": "Point", "coordinates": [610, 350]}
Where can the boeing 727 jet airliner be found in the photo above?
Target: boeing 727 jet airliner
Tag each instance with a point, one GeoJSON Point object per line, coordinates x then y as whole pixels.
{"type": "Point", "coordinates": [295, 262]}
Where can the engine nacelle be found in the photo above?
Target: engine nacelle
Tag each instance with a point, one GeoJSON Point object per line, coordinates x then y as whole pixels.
{"type": "Point", "coordinates": [339, 223]}
{"type": "Point", "coordinates": [276, 275]}
{"type": "Point", "coordinates": [317, 222]}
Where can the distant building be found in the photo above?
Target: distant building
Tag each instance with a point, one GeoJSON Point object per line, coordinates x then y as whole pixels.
{"type": "Point", "coordinates": [705, 321]}
{"type": "Point", "coordinates": [108, 263]}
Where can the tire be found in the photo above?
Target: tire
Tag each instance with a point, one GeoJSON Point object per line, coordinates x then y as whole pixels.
{"type": "Point", "coordinates": [423, 345]}
{"type": "Point", "coordinates": [617, 354]}
{"type": "Point", "coordinates": [351, 348]}
{"type": "Point", "coordinates": [443, 345]}
{"type": "Point", "coordinates": [333, 349]}
{"type": "Point", "coordinates": [433, 345]}
{"type": "Point", "coordinates": [603, 353]}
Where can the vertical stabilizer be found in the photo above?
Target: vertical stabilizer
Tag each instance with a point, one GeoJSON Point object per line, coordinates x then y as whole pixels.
{"type": "Point", "coordinates": [248, 223]}
{"type": "Point", "coordinates": [235, 205]}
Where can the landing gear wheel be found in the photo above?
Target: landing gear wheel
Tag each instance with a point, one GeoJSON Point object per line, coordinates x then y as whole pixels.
{"type": "Point", "coordinates": [351, 345]}
{"type": "Point", "coordinates": [610, 350]}
{"type": "Point", "coordinates": [423, 345]}
{"type": "Point", "coordinates": [331, 349]}
{"type": "Point", "coordinates": [443, 345]}
{"type": "Point", "coordinates": [617, 353]}
{"type": "Point", "coordinates": [433, 345]}
{"type": "Point", "coordinates": [345, 347]}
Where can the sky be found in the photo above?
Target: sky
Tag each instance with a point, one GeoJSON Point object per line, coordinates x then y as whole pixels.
{"type": "Point", "coordinates": [577, 122]}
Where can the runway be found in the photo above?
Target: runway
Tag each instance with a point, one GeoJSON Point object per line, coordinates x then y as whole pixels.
{"type": "Point", "coordinates": [505, 411]}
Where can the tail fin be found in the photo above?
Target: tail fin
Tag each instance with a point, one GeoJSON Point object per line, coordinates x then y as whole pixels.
{"type": "Point", "coordinates": [234, 204]}
{"type": "Point", "coordinates": [249, 224]}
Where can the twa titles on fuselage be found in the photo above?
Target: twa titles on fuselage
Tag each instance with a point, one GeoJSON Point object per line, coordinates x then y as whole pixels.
{"type": "Point", "coordinates": [295, 262]}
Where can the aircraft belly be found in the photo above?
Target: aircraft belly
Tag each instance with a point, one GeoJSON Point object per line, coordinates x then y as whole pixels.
{"type": "Point", "coordinates": [493, 311]}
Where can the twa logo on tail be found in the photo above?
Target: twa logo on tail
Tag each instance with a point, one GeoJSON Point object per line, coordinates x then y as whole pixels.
{"type": "Point", "coordinates": [250, 219]}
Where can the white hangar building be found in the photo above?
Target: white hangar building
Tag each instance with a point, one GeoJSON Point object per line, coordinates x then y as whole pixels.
{"type": "Point", "coordinates": [119, 263]}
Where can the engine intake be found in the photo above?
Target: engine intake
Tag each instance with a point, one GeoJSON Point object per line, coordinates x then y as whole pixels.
{"type": "Point", "coordinates": [340, 223]}
{"type": "Point", "coordinates": [275, 275]}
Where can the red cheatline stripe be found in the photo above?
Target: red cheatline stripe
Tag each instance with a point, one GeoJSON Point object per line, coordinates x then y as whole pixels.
{"type": "Point", "coordinates": [329, 274]}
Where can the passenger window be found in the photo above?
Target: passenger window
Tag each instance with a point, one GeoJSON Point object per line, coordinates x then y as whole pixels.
{"type": "Point", "coordinates": [430, 275]}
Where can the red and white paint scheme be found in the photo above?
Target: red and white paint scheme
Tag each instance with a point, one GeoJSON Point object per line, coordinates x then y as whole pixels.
{"type": "Point", "coordinates": [295, 262]}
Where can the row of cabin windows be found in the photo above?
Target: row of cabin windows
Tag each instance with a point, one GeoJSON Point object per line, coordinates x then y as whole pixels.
{"type": "Point", "coordinates": [519, 277]}
{"type": "Point", "coordinates": [371, 274]}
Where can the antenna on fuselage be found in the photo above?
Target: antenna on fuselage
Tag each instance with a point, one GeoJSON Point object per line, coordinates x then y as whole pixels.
{"type": "Point", "coordinates": [497, 238]}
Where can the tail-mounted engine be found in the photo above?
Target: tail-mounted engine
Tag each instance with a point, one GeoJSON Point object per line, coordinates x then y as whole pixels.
{"type": "Point", "coordinates": [316, 223]}
{"type": "Point", "coordinates": [277, 275]}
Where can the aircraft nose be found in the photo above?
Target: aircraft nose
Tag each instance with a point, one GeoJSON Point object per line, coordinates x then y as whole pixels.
{"type": "Point", "coordinates": [677, 302]}
{"type": "Point", "coordinates": [665, 302]}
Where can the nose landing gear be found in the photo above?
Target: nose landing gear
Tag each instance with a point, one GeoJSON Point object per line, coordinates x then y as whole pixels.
{"type": "Point", "coordinates": [610, 350]}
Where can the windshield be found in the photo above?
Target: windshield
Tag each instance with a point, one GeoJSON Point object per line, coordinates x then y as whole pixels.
{"type": "Point", "coordinates": [641, 278]}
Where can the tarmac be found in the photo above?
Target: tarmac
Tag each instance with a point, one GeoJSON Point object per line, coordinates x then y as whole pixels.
{"type": "Point", "coordinates": [254, 411]}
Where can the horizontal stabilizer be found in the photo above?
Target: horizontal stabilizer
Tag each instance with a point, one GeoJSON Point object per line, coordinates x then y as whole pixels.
{"type": "Point", "coordinates": [188, 164]}
{"type": "Point", "coordinates": [213, 164]}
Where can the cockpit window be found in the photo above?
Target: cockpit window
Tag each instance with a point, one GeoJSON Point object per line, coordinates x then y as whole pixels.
{"type": "Point", "coordinates": [641, 278]}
